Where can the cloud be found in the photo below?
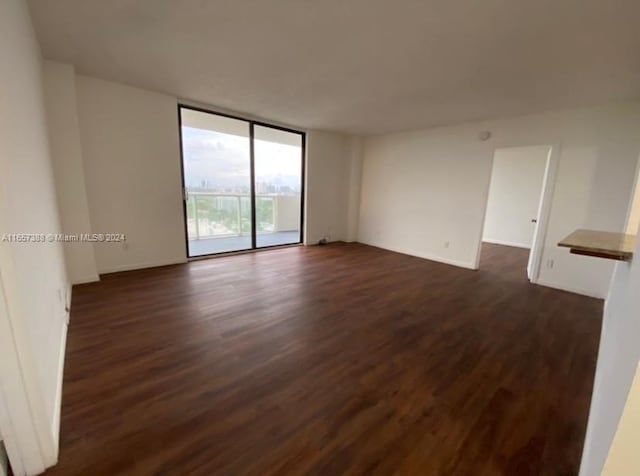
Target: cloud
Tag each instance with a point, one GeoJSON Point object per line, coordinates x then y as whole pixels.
{"type": "Point", "coordinates": [223, 160]}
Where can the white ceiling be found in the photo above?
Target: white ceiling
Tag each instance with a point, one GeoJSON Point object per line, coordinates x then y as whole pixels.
{"type": "Point", "coordinates": [357, 66]}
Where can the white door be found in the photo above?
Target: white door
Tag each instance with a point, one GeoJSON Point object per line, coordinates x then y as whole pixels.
{"type": "Point", "coordinates": [513, 206]}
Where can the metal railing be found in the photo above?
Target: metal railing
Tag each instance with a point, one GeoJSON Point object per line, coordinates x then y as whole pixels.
{"type": "Point", "coordinates": [217, 215]}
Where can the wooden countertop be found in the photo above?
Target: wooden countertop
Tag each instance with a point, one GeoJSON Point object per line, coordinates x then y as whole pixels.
{"type": "Point", "coordinates": [601, 244]}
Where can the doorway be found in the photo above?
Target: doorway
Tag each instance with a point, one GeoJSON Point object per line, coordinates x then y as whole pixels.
{"type": "Point", "coordinates": [519, 196]}
{"type": "Point", "coordinates": [242, 181]}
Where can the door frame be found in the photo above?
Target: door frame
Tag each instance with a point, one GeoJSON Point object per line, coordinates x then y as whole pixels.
{"type": "Point", "coordinates": [29, 440]}
{"type": "Point", "coordinates": [252, 123]}
{"type": "Point", "coordinates": [544, 208]}
{"type": "Point", "coordinates": [544, 212]}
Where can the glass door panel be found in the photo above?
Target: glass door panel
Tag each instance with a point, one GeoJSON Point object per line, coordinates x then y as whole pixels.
{"type": "Point", "coordinates": [216, 159]}
{"type": "Point", "coordinates": [278, 158]}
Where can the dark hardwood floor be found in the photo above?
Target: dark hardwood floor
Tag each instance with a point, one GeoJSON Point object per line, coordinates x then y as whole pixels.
{"type": "Point", "coordinates": [327, 360]}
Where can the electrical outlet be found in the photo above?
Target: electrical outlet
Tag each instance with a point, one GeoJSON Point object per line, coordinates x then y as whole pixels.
{"type": "Point", "coordinates": [549, 263]}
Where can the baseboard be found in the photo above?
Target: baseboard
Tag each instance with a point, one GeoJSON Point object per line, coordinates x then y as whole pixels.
{"type": "Point", "coordinates": [55, 425]}
{"type": "Point", "coordinates": [570, 289]}
{"type": "Point", "coordinates": [417, 254]}
{"type": "Point", "coordinates": [506, 243]}
{"type": "Point", "coordinates": [317, 242]}
{"type": "Point", "coordinates": [152, 264]}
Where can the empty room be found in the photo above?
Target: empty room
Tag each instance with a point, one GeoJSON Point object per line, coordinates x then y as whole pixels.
{"type": "Point", "coordinates": [319, 238]}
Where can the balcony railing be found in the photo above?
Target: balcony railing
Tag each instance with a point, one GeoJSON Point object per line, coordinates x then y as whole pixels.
{"type": "Point", "coordinates": [217, 215]}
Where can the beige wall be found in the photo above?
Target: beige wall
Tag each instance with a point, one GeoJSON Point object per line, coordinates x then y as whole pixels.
{"type": "Point", "coordinates": [327, 186]}
{"type": "Point", "coordinates": [624, 458]}
{"type": "Point", "coordinates": [132, 168]}
{"type": "Point", "coordinates": [618, 357]}
{"type": "Point", "coordinates": [34, 288]}
{"type": "Point", "coordinates": [68, 167]}
{"type": "Point", "coordinates": [517, 175]}
{"type": "Point", "coordinates": [354, 188]}
{"type": "Point", "coordinates": [423, 189]}
{"type": "Point", "coordinates": [131, 158]}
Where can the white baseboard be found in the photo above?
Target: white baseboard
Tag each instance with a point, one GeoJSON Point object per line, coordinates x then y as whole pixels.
{"type": "Point", "coordinates": [57, 406]}
{"type": "Point", "coordinates": [316, 243]}
{"type": "Point", "coordinates": [570, 289]}
{"type": "Point", "coordinates": [332, 240]}
{"type": "Point", "coordinates": [55, 424]}
{"type": "Point", "coordinates": [151, 264]}
{"type": "Point", "coordinates": [418, 254]}
{"type": "Point", "coordinates": [506, 243]}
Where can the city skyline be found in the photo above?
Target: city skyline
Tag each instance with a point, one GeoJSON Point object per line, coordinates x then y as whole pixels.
{"type": "Point", "coordinates": [220, 162]}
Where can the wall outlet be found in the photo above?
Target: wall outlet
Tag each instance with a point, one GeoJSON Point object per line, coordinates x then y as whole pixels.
{"type": "Point", "coordinates": [549, 263]}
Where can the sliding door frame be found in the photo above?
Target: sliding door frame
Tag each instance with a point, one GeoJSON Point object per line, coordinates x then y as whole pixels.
{"type": "Point", "coordinates": [254, 233]}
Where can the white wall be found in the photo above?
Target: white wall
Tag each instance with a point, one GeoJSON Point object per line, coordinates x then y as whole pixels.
{"type": "Point", "coordinates": [354, 189]}
{"type": "Point", "coordinates": [130, 146]}
{"type": "Point", "coordinates": [617, 360]}
{"type": "Point", "coordinates": [422, 189]}
{"type": "Point", "coordinates": [66, 154]}
{"type": "Point", "coordinates": [131, 156]}
{"type": "Point", "coordinates": [33, 279]}
{"type": "Point", "coordinates": [327, 173]}
{"type": "Point", "coordinates": [517, 175]}
{"type": "Point", "coordinates": [623, 458]}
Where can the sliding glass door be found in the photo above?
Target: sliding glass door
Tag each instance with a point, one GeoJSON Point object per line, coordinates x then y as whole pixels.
{"type": "Point", "coordinates": [278, 185]}
{"type": "Point", "coordinates": [243, 183]}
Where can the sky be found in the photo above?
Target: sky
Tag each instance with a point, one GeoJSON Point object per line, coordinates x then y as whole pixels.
{"type": "Point", "coordinates": [223, 160]}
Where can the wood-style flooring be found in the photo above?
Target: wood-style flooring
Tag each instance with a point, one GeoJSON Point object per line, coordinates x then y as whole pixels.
{"type": "Point", "coordinates": [327, 360]}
